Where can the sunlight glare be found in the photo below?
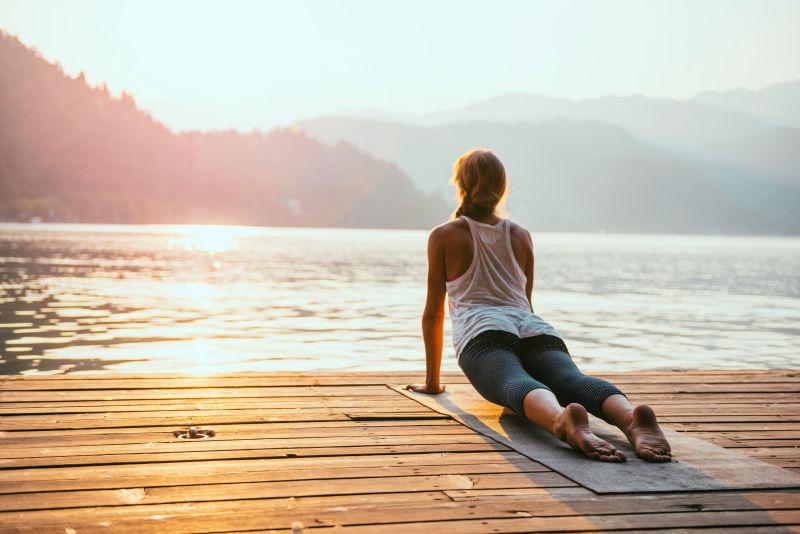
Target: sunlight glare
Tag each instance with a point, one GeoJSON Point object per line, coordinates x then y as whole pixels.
{"type": "Point", "coordinates": [212, 239]}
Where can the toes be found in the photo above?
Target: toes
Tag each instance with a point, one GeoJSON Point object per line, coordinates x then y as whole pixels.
{"type": "Point", "coordinates": [606, 454]}
{"type": "Point", "coordinates": [616, 456]}
{"type": "Point", "coordinates": [602, 456]}
{"type": "Point", "coordinates": [651, 455]}
{"type": "Point", "coordinates": [663, 456]}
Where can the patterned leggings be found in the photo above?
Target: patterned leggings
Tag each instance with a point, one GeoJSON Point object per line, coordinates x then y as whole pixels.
{"type": "Point", "coordinates": [504, 369]}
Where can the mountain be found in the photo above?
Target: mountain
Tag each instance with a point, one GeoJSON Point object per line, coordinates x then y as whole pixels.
{"type": "Point", "coordinates": [778, 104]}
{"type": "Point", "coordinates": [773, 152]}
{"type": "Point", "coordinates": [584, 175]}
{"type": "Point", "coordinates": [71, 152]}
{"type": "Point", "coordinates": [715, 163]}
{"type": "Point", "coordinates": [671, 123]}
{"type": "Point", "coordinates": [510, 107]}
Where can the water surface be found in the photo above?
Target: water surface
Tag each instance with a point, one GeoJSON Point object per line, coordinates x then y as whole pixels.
{"type": "Point", "coordinates": [145, 299]}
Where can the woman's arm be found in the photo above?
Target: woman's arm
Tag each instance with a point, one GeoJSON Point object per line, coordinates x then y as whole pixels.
{"type": "Point", "coordinates": [529, 270]}
{"type": "Point", "coordinates": [433, 316]}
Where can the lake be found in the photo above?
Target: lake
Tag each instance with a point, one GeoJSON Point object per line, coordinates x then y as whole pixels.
{"type": "Point", "coordinates": [213, 299]}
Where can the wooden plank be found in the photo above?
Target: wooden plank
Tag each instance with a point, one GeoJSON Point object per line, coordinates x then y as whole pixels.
{"type": "Point", "coordinates": [193, 393]}
{"type": "Point", "coordinates": [591, 503]}
{"type": "Point", "coordinates": [366, 378]}
{"type": "Point", "coordinates": [397, 507]}
{"type": "Point", "coordinates": [171, 383]}
{"type": "Point", "coordinates": [792, 409]}
{"type": "Point", "coordinates": [704, 418]}
{"type": "Point", "coordinates": [783, 463]}
{"type": "Point", "coordinates": [783, 529]}
{"type": "Point", "coordinates": [784, 384]}
{"type": "Point", "coordinates": [107, 459]}
{"type": "Point", "coordinates": [165, 517]}
{"type": "Point", "coordinates": [20, 408]}
{"type": "Point", "coordinates": [758, 434]}
{"type": "Point", "coordinates": [263, 490]}
{"type": "Point", "coordinates": [678, 401]}
{"type": "Point", "coordinates": [771, 443]}
{"type": "Point", "coordinates": [184, 470]}
{"type": "Point", "coordinates": [26, 408]}
{"type": "Point", "coordinates": [711, 398]}
{"type": "Point", "coordinates": [268, 431]}
{"type": "Point", "coordinates": [703, 387]}
{"type": "Point", "coordinates": [229, 426]}
{"type": "Point", "coordinates": [298, 398]}
{"type": "Point", "coordinates": [128, 434]}
{"type": "Point", "coordinates": [260, 379]}
{"type": "Point", "coordinates": [535, 502]}
{"type": "Point", "coordinates": [93, 374]}
{"type": "Point", "coordinates": [138, 415]}
{"type": "Point", "coordinates": [209, 445]}
{"type": "Point", "coordinates": [66, 423]}
{"type": "Point", "coordinates": [591, 523]}
{"type": "Point", "coordinates": [735, 427]}
{"type": "Point", "coordinates": [271, 474]}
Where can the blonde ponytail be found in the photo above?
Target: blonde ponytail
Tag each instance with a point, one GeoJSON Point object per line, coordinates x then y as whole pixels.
{"type": "Point", "coordinates": [480, 181]}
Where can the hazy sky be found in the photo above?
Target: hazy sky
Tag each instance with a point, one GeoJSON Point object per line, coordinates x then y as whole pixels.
{"type": "Point", "coordinates": [221, 64]}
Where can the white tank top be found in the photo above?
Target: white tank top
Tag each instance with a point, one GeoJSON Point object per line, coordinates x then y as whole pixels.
{"type": "Point", "coordinates": [491, 295]}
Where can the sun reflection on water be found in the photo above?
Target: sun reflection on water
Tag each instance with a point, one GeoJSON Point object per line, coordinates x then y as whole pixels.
{"type": "Point", "coordinates": [212, 239]}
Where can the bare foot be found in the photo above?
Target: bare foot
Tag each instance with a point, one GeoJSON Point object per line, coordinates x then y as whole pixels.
{"type": "Point", "coordinates": [573, 427]}
{"type": "Point", "coordinates": [646, 437]}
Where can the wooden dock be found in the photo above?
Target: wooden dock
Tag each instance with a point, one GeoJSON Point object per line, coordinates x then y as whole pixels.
{"type": "Point", "coordinates": [316, 452]}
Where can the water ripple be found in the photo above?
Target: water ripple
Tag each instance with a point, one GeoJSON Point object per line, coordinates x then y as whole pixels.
{"type": "Point", "coordinates": [142, 299]}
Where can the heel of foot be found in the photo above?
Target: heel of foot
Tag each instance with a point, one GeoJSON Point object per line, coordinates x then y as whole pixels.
{"type": "Point", "coordinates": [646, 436]}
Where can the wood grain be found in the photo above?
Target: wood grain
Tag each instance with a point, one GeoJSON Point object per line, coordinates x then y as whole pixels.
{"type": "Point", "coordinates": [342, 451]}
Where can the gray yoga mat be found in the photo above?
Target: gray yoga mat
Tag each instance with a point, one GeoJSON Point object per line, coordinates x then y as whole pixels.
{"type": "Point", "coordinates": [697, 465]}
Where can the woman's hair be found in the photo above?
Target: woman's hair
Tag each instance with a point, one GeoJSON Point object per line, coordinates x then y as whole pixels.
{"type": "Point", "coordinates": [480, 181]}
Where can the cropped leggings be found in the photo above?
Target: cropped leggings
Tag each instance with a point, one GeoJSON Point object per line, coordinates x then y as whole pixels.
{"type": "Point", "coordinates": [504, 369]}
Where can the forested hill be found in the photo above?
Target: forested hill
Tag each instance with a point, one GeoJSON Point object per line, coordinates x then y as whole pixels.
{"type": "Point", "coordinates": [71, 152]}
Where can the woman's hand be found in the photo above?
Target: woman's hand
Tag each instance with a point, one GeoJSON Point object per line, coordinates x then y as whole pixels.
{"type": "Point", "coordinates": [427, 389]}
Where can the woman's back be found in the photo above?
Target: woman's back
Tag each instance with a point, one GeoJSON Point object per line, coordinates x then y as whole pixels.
{"type": "Point", "coordinates": [492, 291]}
{"type": "Point", "coordinates": [494, 276]}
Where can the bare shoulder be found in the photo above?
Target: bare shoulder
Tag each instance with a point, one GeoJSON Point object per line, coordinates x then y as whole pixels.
{"type": "Point", "coordinates": [451, 231]}
{"type": "Point", "coordinates": [520, 235]}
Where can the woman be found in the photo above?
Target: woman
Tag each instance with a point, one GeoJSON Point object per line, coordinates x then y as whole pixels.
{"type": "Point", "coordinates": [484, 263]}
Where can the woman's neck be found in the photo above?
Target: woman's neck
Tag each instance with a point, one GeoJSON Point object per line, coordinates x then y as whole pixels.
{"type": "Point", "coordinates": [486, 219]}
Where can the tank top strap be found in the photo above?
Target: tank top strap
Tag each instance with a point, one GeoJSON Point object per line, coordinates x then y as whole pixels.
{"type": "Point", "coordinates": [486, 236]}
{"type": "Point", "coordinates": [469, 222]}
{"type": "Point", "coordinates": [507, 238]}
{"type": "Point", "coordinates": [474, 233]}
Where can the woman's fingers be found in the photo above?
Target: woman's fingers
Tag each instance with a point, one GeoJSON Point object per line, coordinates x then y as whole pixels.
{"type": "Point", "coordinates": [426, 389]}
